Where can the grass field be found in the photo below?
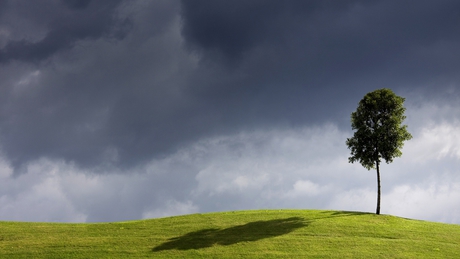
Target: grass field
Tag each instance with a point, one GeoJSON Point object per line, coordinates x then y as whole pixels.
{"type": "Point", "coordinates": [241, 234]}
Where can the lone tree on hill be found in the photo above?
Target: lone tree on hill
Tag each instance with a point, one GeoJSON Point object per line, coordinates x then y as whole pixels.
{"type": "Point", "coordinates": [379, 133]}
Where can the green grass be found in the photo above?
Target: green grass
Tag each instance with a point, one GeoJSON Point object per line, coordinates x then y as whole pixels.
{"type": "Point", "coordinates": [242, 234]}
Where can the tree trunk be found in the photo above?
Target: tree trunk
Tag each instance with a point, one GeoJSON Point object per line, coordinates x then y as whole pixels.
{"type": "Point", "coordinates": [378, 188]}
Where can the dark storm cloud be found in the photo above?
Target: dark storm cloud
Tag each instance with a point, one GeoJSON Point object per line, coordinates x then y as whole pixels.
{"type": "Point", "coordinates": [297, 52]}
{"type": "Point", "coordinates": [235, 28]}
{"type": "Point", "coordinates": [65, 22]}
{"type": "Point", "coordinates": [77, 4]}
{"type": "Point", "coordinates": [100, 101]}
{"type": "Point", "coordinates": [327, 41]}
{"type": "Point", "coordinates": [200, 68]}
{"type": "Point", "coordinates": [365, 29]}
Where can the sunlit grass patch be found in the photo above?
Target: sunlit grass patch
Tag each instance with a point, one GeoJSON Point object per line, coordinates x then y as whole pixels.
{"type": "Point", "coordinates": [241, 234]}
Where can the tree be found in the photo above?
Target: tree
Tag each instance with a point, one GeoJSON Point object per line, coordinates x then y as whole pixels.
{"type": "Point", "coordinates": [378, 131]}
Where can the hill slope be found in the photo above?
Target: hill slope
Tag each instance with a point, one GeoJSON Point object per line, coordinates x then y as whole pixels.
{"type": "Point", "coordinates": [243, 234]}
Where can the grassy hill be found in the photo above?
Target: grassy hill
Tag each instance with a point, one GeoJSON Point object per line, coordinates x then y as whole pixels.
{"type": "Point", "coordinates": [242, 234]}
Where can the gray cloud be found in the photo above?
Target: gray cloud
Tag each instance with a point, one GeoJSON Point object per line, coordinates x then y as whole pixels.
{"type": "Point", "coordinates": [311, 55]}
{"type": "Point", "coordinates": [95, 99]}
{"type": "Point", "coordinates": [294, 168]}
{"type": "Point", "coordinates": [104, 91]}
{"type": "Point", "coordinates": [63, 24]}
{"type": "Point", "coordinates": [192, 69]}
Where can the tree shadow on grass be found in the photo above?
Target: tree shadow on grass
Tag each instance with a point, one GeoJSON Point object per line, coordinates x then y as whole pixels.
{"type": "Point", "coordinates": [349, 213]}
{"type": "Point", "coordinates": [252, 231]}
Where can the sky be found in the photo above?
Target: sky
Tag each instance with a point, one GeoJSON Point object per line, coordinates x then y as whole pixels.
{"type": "Point", "coordinates": [116, 110]}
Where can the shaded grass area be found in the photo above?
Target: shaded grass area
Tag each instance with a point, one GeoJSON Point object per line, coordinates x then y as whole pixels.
{"type": "Point", "coordinates": [249, 232]}
{"type": "Point", "coordinates": [242, 234]}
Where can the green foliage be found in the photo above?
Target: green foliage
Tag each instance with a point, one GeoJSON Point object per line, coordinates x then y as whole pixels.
{"type": "Point", "coordinates": [241, 234]}
{"type": "Point", "coordinates": [379, 133]}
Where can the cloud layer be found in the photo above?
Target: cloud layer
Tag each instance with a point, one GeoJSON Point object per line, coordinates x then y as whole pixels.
{"type": "Point", "coordinates": [113, 110]}
{"type": "Point", "coordinates": [304, 167]}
